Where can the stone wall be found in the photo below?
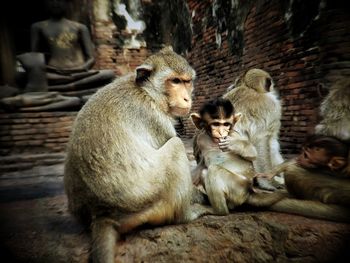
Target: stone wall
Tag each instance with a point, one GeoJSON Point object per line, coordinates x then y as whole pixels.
{"type": "Point", "coordinates": [305, 45]}
{"type": "Point", "coordinates": [303, 57]}
{"type": "Point", "coordinates": [44, 132]}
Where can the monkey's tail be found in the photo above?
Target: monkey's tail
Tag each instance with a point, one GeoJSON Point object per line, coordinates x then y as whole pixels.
{"type": "Point", "coordinates": [312, 209]}
{"type": "Point", "coordinates": [104, 238]}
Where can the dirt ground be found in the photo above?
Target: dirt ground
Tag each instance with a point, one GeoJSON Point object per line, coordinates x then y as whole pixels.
{"type": "Point", "coordinates": [36, 227]}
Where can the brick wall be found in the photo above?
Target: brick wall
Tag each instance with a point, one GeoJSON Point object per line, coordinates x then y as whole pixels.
{"type": "Point", "coordinates": [299, 65]}
{"type": "Point", "coordinates": [299, 61]}
{"type": "Point", "coordinates": [42, 132]}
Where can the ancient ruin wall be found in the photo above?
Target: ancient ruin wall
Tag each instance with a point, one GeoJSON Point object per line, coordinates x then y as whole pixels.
{"type": "Point", "coordinates": [303, 44]}
{"type": "Point", "coordinates": [38, 132]}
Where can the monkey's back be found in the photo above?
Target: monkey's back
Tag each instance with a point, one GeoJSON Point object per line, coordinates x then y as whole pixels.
{"type": "Point", "coordinates": [260, 111]}
{"type": "Point", "coordinates": [109, 150]}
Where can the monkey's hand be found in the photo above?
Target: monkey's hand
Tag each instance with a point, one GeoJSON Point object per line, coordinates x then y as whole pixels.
{"type": "Point", "coordinates": [238, 146]}
{"type": "Point", "coordinates": [224, 143]}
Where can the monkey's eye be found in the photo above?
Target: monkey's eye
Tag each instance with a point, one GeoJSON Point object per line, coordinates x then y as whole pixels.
{"type": "Point", "coordinates": [215, 124]}
{"type": "Point", "coordinates": [176, 80]}
{"type": "Point", "coordinates": [227, 124]}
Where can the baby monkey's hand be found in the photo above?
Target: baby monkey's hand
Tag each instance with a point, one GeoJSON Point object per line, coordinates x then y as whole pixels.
{"type": "Point", "coordinates": [224, 143]}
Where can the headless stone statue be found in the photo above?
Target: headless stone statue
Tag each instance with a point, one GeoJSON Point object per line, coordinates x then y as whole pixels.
{"type": "Point", "coordinates": [60, 64]}
{"type": "Point", "coordinates": [69, 53]}
{"type": "Point", "coordinates": [36, 96]}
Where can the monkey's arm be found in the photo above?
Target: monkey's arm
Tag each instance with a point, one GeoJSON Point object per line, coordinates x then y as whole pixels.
{"type": "Point", "coordinates": [276, 170]}
{"type": "Point", "coordinates": [199, 149]}
{"type": "Point", "coordinates": [196, 173]}
{"type": "Point", "coordinates": [239, 145]}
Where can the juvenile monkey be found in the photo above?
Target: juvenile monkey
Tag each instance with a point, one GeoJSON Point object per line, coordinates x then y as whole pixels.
{"type": "Point", "coordinates": [255, 98]}
{"type": "Point", "coordinates": [224, 157]}
{"type": "Point", "coordinates": [125, 166]}
{"type": "Point", "coordinates": [318, 174]}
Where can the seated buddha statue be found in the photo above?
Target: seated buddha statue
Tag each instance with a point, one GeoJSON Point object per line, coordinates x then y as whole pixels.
{"type": "Point", "coordinates": [68, 51]}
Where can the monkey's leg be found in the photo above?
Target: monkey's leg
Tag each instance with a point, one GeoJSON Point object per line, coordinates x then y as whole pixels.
{"type": "Point", "coordinates": [312, 209]}
{"type": "Point", "coordinates": [262, 164]}
{"type": "Point", "coordinates": [180, 188]}
{"type": "Point", "coordinates": [105, 231]}
{"type": "Point", "coordinates": [275, 154]}
{"type": "Point", "coordinates": [159, 213]}
{"type": "Point", "coordinates": [215, 188]}
{"type": "Point", "coordinates": [276, 157]}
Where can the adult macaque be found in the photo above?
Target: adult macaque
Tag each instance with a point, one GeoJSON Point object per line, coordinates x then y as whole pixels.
{"type": "Point", "coordinates": [125, 166]}
{"type": "Point", "coordinates": [224, 158]}
{"type": "Point", "coordinates": [318, 174]}
{"type": "Point", "coordinates": [255, 98]}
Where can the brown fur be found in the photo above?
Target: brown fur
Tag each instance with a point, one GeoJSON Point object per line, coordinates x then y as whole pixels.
{"type": "Point", "coordinates": [125, 166]}
{"type": "Point", "coordinates": [225, 173]}
{"type": "Point", "coordinates": [255, 97]}
{"type": "Point", "coordinates": [335, 113]}
{"type": "Point", "coordinates": [317, 194]}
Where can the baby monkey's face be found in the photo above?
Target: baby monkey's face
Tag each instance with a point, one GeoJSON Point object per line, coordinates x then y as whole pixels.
{"type": "Point", "coordinates": [313, 157]}
{"type": "Point", "coordinates": [220, 128]}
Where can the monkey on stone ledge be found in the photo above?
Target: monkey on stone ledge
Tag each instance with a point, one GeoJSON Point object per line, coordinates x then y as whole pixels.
{"type": "Point", "coordinates": [224, 159]}
{"type": "Point", "coordinates": [255, 97]}
{"type": "Point", "coordinates": [125, 166]}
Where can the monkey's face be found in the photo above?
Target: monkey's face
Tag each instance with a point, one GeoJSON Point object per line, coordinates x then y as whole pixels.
{"type": "Point", "coordinates": [220, 128]}
{"type": "Point", "coordinates": [179, 93]}
{"type": "Point", "coordinates": [313, 157]}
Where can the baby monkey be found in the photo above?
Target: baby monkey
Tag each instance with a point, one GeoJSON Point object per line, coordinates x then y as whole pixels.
{"type": "Point", "coordinates": [325, 152]}
{"type": "Point", "coordinates": [318, 173]}
{"type": "Point", "coordinates": [224, 157]}
{"type": "Point", "coordinates": [320, 153]}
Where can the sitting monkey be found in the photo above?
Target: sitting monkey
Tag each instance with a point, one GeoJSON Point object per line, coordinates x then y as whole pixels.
{"type": "Point", "coordinates": [125, 167]}
{"type": "Point", "coordinates": [255, 96]}
{"type": "Point", "coordinates": [224, 157]}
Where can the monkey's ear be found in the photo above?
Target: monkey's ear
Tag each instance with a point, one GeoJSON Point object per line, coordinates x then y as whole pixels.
{"type": "Point", "coordinates": [143, 72]}
{"type": "Point", "coordinates": [197, 120]}
{"type": "Point", "coordinates": [337, 163]}
{"type": "Point", "coordinates": [237, 117]}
